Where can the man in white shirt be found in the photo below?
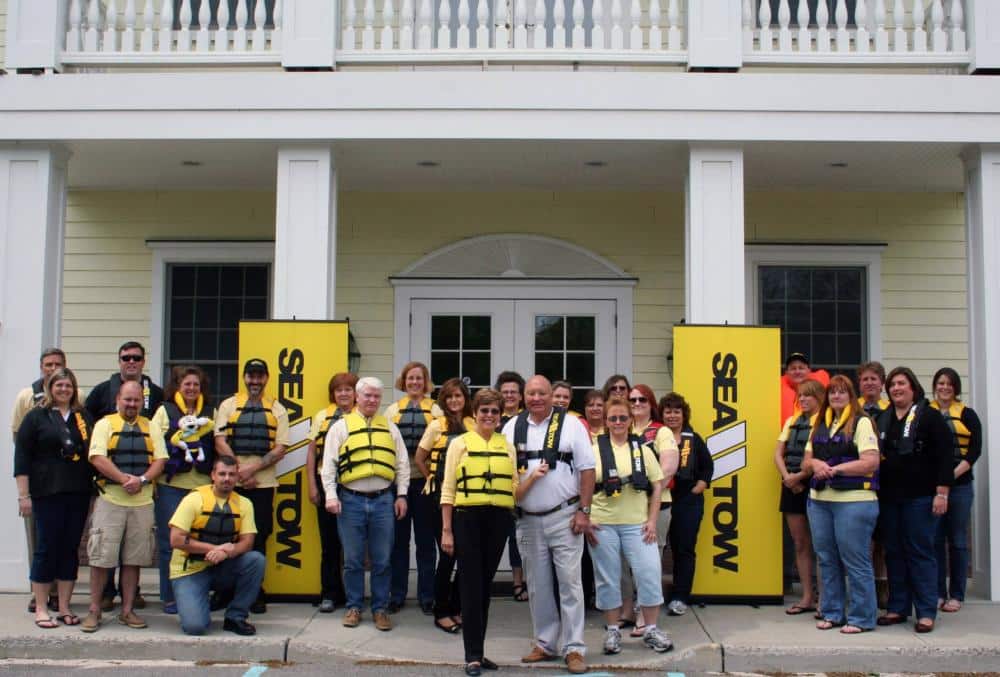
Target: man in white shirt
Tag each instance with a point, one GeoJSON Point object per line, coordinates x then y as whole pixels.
{"type": "Point", "coordinates": [553, 518]}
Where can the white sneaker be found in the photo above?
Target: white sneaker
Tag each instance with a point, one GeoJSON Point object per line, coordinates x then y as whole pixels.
{"type": "Point", "coordinates": [613, 641]}
{"type": "Point", "coordinates": [677, 608]}
{"type": "Point", "coordinates": [657, 640]}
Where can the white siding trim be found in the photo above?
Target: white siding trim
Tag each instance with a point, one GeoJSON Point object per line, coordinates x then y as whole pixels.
{"type": "Point", "coordinates": [165, 252]}
{"type": "Point", "coordinates": [867, 256]}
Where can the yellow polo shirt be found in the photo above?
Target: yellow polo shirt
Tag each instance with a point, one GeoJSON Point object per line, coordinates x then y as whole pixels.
{"type": "Point", "coordinates": [184, 517]}
{"type": "Point", "coordinates": [630, 506]}
{"type": "Point", "coordinates": [266, 477]}
{"type": "Point", "coordinates": [114, 493]}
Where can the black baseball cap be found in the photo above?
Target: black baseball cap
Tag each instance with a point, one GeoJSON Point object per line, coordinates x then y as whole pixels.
{"type": "Point", "coordinates": [255, 364]}
{"type": "Point", "coordinates": [796, 357]}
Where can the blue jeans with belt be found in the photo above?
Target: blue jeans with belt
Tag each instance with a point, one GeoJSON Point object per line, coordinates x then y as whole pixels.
{"type": "Point", "coordinates": [908, 528]}
{"type": "Point", "coordinates": [367, 523]}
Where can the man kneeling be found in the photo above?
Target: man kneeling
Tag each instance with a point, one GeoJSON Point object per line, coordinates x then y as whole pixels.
{"type": "Point", "coordinates": [212, 535]}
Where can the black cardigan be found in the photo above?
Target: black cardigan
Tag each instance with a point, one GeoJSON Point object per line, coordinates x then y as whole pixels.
{"type": "Point", "coordinates": [704, 467]}
{"type": "Point", "coordinates": [921, 473]}
{"type": "Point", "coordinates": [38, 454]}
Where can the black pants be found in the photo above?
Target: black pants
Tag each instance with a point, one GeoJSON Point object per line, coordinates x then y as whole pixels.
{"type": "Point", "coordinates": [331, 571]}
{"type": "Point", "coordinates": [447, 599]}
{"type": "Point", "coordinates": [480, 536]}
{"type": "Point", "coordinates": [684, 524]}
{"type": "Point", "coordinates": [59, 521]}
{"type": "Point", "coordinates": [263, 516]}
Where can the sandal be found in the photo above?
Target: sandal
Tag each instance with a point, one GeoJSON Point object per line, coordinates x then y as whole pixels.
{"type": "Point", "coordinates": [452, 629]}
{"type": "Point", "coordinates": [951, 606]}
{"type": "Point", "coordinates": [626, 623]}
{"type": "Point", "coordinates": [46, 623]}
{"type": "Point", "coordinates": [639, 630]}
{"type": "Point", "coordinates": [853, 630]}
{"type": "Point", "coordinates": [798, 608]}
{"type": "Point", "coordinates": [891, 619]}
{"type": "Point", "coordinates": [827, 624]}
{"type": "Point", "coordinates": [520, 592]}
{"type": "Point", "coordinates": [924, 625]}
{"type": "Point", "coordinates": [69, 619]}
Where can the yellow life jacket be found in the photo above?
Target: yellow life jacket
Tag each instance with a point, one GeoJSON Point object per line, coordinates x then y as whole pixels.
{"type": "Point", "coordinates": [251, 429]}
{"type": "Point", "coordinates": [959, 432]}
{"type": "Point", "coordinates": [485, 474]}
{"type": "Point", "coordinates": [215, 524]}
{"type": "Point", "coordinates": [873, 410]}
{"type": "Point", "coordinates": [131, 448]}
{"type": "Point", "coordinates": [369, 450]}
{"type": "Point", "coordinates": [412, 420]}
{"type": "Point", "coordinates": [439, 452]}
{"type": "Point", "coordinates": [332, 414]}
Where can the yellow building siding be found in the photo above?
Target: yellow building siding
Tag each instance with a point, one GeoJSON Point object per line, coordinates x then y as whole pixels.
{"type": "Point", "coordinates": [108, 277]}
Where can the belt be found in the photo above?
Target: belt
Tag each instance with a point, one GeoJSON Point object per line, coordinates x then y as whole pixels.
{"type": "Point", "coordinates": [665, 506]}
{"type": "Point", "coordinates": [564, 504]}
{"type": "Point", "coordinates": [366, 494]}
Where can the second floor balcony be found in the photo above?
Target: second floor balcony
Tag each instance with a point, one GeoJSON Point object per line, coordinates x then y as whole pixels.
{"type": "Point", "coordinates": [693, 34]}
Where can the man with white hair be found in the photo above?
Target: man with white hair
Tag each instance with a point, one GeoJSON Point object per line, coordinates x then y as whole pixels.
{"type": "Point", "coordinates": [366, 474]}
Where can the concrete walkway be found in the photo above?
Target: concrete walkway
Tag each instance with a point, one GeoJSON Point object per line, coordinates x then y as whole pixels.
{"type": "Point", "coordinates": [716, 639]}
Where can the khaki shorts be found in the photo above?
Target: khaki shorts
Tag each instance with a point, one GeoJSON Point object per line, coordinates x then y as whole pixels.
{"type": "Point", "coordinates": [117, 529]}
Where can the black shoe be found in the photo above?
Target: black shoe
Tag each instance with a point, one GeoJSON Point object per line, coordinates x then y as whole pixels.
{"type": "Point", "coordinates": [427, 608]}
{"type": "Point", "coordinates": [327, 606]}
{"type": "Point", "coordinates": [487, 664]}
{"type": "Point", "coordinates": [259, 606]}
{"type": "Point", "coordinates": [239, 627]}
{"type": "Point", "coordinates": [394, 607]}
{"type": "Point", "coordinates": [31, 606]}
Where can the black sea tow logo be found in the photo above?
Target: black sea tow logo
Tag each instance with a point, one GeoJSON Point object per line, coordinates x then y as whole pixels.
{"type": "Point", "coordinates": [728, 446]}
{"type": "Point", "coordinates": [288, 512]}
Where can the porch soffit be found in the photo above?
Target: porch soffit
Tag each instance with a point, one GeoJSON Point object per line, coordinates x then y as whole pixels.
{"type": "Point", "coordinates": [511, 257]}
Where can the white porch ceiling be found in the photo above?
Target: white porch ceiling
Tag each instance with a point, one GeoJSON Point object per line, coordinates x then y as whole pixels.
{"type": "Point", "coordinates": [512, 165]}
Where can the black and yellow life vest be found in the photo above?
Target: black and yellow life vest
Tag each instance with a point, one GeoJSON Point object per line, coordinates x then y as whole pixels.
{"type": "Point", "coordinates": [687, 458]}
{"type": "Point", "coordinates": [439, 452]}
{"type": "Point", "coordinates": [550, 448]}
{"type": "Point", "coordinates": [412, 420]}
{"type": "Point", "coordinates": [368, 451]}
{"type": "Point", "coordinates": [959, 432]}
{"type": "Point", "coordinates": [252, 427]}
{"type": "Point", "coordinates": [215, 524]}
{"type": "Point", "coordinates": [795, 446]}
{"type": "Point", "coordinates": [874, 409]}
{"type": "Point", "coordinates": [611, 481]}
{"type": "Point", "coordinates": [836, 449]}
{"type": "Point", "coordinates": [37, 392]}
{"type": "Point", "coordinates": [484, 475]}
{"type": "Point", "coordinates": [331, 414]}
{"type": "Point", "coordinates": [176, 464]}
{"type": "Point", "coordinates": [130, 447]}
{"type": "Point", "coordinates": [907, 444]}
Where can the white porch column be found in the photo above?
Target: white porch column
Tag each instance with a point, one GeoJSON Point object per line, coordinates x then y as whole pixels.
{"type": "Point", "coordinates": [983, 18]}
{"type": "Point", "coordinates": [36, 32]}
{"type": "Point", "coordinates": [714, 34]}
{"type": "Point", "coordinates": [305, 233]}
{"type": "Point", "coordinates": [32, 226]}
{"type": "Point", "coordinates": [713, 237]}
{"type": "Point", "coordinates": [310, 33]}
{"type": "Point", "coordinates": [982, 209]}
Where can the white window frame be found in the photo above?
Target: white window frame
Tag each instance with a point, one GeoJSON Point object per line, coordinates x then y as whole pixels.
{"type": "Point", "coordinates": [868, 257]}
{"type": "Point", "coordinates": [166, 252]}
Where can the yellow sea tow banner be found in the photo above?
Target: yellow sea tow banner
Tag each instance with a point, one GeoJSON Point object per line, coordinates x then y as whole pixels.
{"type": "Point", "coordinates": [730, 377]}
{"type": "Point", "coordinates": [301, 357]}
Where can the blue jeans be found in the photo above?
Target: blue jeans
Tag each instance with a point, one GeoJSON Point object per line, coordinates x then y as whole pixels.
{"type": "Point", "coordinates": [164, 506]}
{"type": "Point", "coordinates": [908, 528]}
{"type": "Point", "coordinates": [242, 574]}
{"type": "Point", "coordinates": [952, 543]}
{"type": "Point", "coordinates": [643, 558]}
{"type": "Point", "coordinates": [842, 538]}
{"type": "Point", "coordinates": [419, 514]}
{"type": "Point", "coordinates": [367, 523]}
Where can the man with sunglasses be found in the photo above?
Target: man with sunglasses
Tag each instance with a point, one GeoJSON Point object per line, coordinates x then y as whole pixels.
{"type": "Point", "coordinates": [553, 513]}
{"type": "Point", "coordinates": [103, 400]}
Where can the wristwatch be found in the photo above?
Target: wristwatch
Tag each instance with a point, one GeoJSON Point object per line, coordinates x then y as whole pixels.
{"type": "Point", "coordinates": [585, 509]}
{"type": "Point", "coordinates": [142, 480]}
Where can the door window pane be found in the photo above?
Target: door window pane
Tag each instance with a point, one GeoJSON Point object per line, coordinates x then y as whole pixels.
{"type": "Point", "coordinates": [461, 347]}
{"type": "Point", "coordinates": [566, 350]}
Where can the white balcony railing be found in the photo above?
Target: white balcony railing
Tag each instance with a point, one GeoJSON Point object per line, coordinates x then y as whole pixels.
{"type": "Point", "coordinates": [866, 32]}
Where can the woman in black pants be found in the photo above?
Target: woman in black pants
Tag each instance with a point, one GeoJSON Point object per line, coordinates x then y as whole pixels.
{"type": "Point", "coordinates": [477, 505]}
{"type": "Point", "coordinates": [694, 474]}
{"type": "Point", "coordinates": [54, 483]}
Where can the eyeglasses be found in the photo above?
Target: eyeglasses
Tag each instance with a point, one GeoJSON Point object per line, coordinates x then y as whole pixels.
{"type": "Point", "coordinates": [619, 387]}
{"type": "Point", "coordinates": [638, 400]}
{"type": "Point", "coordinates": [490, 411]}
{"type": "Point", "coordinates": [131, 358]}
{"type": "Point", "coordinates": [618, 419]}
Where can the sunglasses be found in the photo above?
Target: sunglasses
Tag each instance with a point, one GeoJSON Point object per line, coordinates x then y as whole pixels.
{"type": "Point", "coordinates": [618, 419]}
{"type": "Point", "coordinates": [638, 400]}
{"type": "Point", "coordinates": [489, 411]}
{"type": "Point", "coordinates": [131, 358]}
{"type": "Point", "coordinates": [619, 387]}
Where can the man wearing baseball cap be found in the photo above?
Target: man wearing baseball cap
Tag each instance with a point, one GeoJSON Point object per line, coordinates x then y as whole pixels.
{"type": "Point", "coordinates": [797, 370]}
{"type": "Point", "coordinates": [253, 427]}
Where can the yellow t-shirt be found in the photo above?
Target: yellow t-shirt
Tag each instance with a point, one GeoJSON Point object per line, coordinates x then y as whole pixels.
{"type": "Point", "coordinates": [266, 477]}
{"type": "Point", "coordinates": [666, 443]}
{"type": "Point", "coordinates": [866, 440]}
{"type": "Point", "coordinates": [456, 450]}
{"type": "Point", "coordinates": [113, 493]}
{"type": "Point", "coordinates": [158, 427]}
{"type": "Point", "coordinates": [23, 403]}
{"type": "Point", "coordinates": [183, 518]}
{"type": "Point", "coordinates": [630, 506]}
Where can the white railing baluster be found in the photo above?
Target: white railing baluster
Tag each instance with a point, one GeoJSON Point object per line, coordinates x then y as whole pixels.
{"type": "Point", "coordinates": [184, 36]}
{"type": "Point", "coordinates": [222, 32]}
{"type": "Point", "coordinates": [444, 25]}
{"type": "Point", "coordinates": [146, 38]}
{"type": "Point", "coordinates": [482, 24]}
{"type": "Point", "coordinates": [166, 30]}
{"type": "Point", "coordinates": [597, 33]}
{"type": "Point", "coordinates": [764, 17]}
{"type": "Point", "coordinates": [881, 34]}
{"type": "Point", "coordinates": [405, 26]}
{"type": "Point", "coordinates": [559, 24]}
{"type": "Point", "coordinates": [784, 26]}
{"type": "Point", "coordinates": [939, 39]}
{"type": "Point", "coordinates": [520, 24]}
{"type": "Point", "coordinates": [539, 38]}
{"type": "Point", "coordinates": [749, 18]}
{"type": "Point", "coordinates": [501, 34]}
{"type": "Point", "coordinates": [388, 19]}
{"type": "Point", "coordinates": [91, 38]}
{"type": "Point", "coordinates": [128, 35]}
{"type": "Point", "coordinates": [259, 41]}
{"type": "Point", "coordinates": [276, 31]}
{"type": "Point", "coordinates": [110, 26]}
{"type": "Point", "coordinates": [424, 35]}
{"type": "Point", "coordinates": [843, 35]}
{"type": "Point", "coordinates": [956, 26]}
{"type": "Point", "coordinates": [655, 34]}
{"type": "Point", "coordinates": [577, 35]}
{"type": "Point", "coordinates": [204, 40]}
{"type": "Point", "coordinates": [74, 38]}
{"type": "Point", "coordinates": [368, 32]}
{"type": "Point", "coordinates": [919, 34]}
{"type": "Point", "coordinates": [617, 33]}
{"type": "Point", "coordinates": [463, 38]}
{"type": "Point", "coordinates": [804, 38]}
{"type": "Point", "coordinates": [635, 32]}
{"type": "Point", "coordinates": [242, 18]}
{"type": "Point", "coordinates": [673, 26]}
{"type": "Point", "coordinates": [348, 36]}
{"type": "Point", "coordinates": [861, 36]}
{"type": "Point", "coordinates": [822, 27]}
{"type": "Point", "coordinates": [899, 39]}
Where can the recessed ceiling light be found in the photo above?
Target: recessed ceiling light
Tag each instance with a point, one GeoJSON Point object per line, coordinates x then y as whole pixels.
{"type": "Point", "coordinates": [428, 163]}
{"type": "Point", "coordinates": [838, 165]}
{"type": "Point", "coordinates": [191, 163]}
{"type": "Point", "coordinates": [596, 163]}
